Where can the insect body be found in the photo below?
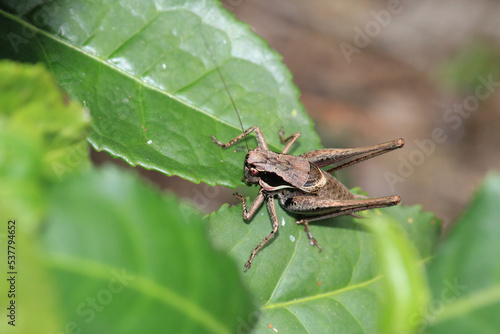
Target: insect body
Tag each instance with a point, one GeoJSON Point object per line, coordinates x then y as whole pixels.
{"type": "Point", "coordinates": [300, 184]}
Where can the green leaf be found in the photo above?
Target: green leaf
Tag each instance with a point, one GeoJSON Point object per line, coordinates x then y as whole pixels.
{"type": "Point", "coordinates": [149, 81]}
{"type": "Point", "coordinates": [119, 258]}
{"type": "Point", "coordinates": [465, 275]}
{"type": "Point", "coordinates": [42, 139]}
{"type": "Point", "coordinates": [406, 290]}
{"type": "Point", "coordinates": [300, 290]}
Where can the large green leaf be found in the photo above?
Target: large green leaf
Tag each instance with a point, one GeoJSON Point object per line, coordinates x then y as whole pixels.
{"type": "Point", "coordinates": [120, 227]}
{"type": "Point", "coordinates": [119, 258]}
{"type": "Point", "coordinates": [465, 275]}
{"type": "Point", "coordinates": [300, 290]}
{"type": "Point", "coordinates": [149, 81]}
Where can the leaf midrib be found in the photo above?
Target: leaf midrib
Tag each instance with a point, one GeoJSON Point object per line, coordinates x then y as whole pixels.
{"type": "Point", "coordinates": [141, 284]}
{"type": "Point", "coordinates": [105, 63]}
{"type": "Point", "coordinates": [468, 304]}
{"type": "Point", "coordinates": [321, 295]}
{"type": "Point", "coordinates": [336, 292]}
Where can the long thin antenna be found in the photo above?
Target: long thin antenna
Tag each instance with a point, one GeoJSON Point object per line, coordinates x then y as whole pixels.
{"type": "Point", "coordinates": [225, 85]}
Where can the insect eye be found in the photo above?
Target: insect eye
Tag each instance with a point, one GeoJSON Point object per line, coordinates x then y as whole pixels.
{"type": "Point", "coordinates": [254, 171]}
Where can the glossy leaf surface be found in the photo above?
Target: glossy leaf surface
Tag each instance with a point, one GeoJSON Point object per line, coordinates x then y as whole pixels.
{"type": "Point", "coordinates": [148, 78]}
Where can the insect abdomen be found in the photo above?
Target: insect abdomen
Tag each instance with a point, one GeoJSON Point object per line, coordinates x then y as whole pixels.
{"type": "Point", "coordinates": [334, 189]}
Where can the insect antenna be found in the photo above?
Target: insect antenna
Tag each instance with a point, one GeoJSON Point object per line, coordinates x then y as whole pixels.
{"type": "Point", "coordinates": [225, 85]}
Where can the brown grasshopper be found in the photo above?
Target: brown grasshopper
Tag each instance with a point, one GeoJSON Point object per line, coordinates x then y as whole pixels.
{"type": "Point", "coordinates": [300, 184]}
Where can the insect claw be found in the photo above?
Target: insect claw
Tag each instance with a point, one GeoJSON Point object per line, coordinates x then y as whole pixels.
{"type": "Point", "coordinates": [315, 243]}
{"type": "Point", "coordinates": [400, 142]}
{"type": "Point", "coordinates": [216, 141]}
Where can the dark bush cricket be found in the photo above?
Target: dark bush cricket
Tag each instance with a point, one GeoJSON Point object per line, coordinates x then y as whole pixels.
{"type": "Point", "coordinates": [298, 182]}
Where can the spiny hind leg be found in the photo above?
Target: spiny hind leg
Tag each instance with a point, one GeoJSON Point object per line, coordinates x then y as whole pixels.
{"type": "Point", "coordinates": [340, 207]}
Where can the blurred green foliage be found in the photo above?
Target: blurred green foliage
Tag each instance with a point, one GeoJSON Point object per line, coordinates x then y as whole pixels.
{"type": "Point", "coordinates": [461, 72]}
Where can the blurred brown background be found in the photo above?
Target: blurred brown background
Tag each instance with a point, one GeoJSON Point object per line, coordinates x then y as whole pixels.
{"type": "Point", "coordinates": [372, 71]}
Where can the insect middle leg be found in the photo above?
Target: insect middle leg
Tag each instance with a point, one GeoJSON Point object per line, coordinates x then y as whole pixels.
{"type": "Point", "coordinates": [274, 218]}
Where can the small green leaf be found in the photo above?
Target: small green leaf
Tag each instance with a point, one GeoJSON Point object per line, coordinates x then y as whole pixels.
{"type": "Point", "coordinates": [300, 290]}
{"type": "Point", "coordinates": [464, 276]}
{"type": "Point", "coordinates": [406, 291]}
{"type": "Point", "coordinates": [149, 81]}
{"type": "Point", "coordinates": [42, 139]}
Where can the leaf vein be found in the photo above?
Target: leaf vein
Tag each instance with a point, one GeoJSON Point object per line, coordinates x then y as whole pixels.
{"type": "Point", "coordinates": [322, 295]}
{"type": "Point", "coordinates": [141, 284]}
{"type": "Point", "coordinates": [348, 310]}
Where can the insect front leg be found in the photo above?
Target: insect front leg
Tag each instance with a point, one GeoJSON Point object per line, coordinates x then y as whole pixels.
{"type": "Point", "coordinates": [261, 141]}
{"type": "Point", "coordinates": [257, 202]}
{"type": "Point", "coordinates": [274, 218]}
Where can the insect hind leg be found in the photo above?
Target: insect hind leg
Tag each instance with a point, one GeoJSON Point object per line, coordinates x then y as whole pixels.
{"type": "Point", "coordinates": [342, 208]}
